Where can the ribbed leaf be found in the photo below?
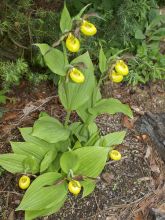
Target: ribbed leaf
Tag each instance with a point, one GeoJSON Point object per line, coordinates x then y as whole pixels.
{"type": "Point", "coordinates": [92, 128]}
{"type": "Point", "coordinates": [31, 164]}
{"type": "Point", "coordinates": [110, 106]}
{"type": "Point", "coordinates": [92, 160]}
{"type": "Point", "coordinates": [65, 21]}
{"type": "Point", "coordinates": [111, 139]}
{"type": "Point", "coordinates": [50, 130]}
{"type": "Point", "coordinates": [73, 95]}
{"type": "Point", "coordinates": [88, 187]}
{"type": "Point", "coordinates": [61, 146]}
{"type": "Point", "coordinates": [27, 136]}
{"type": "Point", "coordinates": [55, 165]}
{"type": "Point", "coordinates": [53, 58]}
{"type": "Point", "coordinates": [78, 16]}
{"type": "Point", "coordinates": [48, 159]}
{"type": "Point", "coordinates": [83, 112]}
{"type": "Point", "coordinates": [12, 162]}
{"type": "Point", "coordinates": [42, 194]}
{"type": "Point", "coordinates": [76, 129]}
{"type": "Point", "coordinates": [29, 215]}
{"type": "Point", "coordinates": [69, 161]}
{"type": "Point", "coordinates": [28, 149]}
{"type": "Point", "coordinates": [102, 61]}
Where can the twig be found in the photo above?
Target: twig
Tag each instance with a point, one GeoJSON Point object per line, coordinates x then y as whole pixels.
{"type": "Point", "coordinates": [6, 185]}
{"type": "Point", "coordinates": [12, 192]}
{"type": "Point", "coordinates": [96, 202]}
{"type": "Point", "coordinates": [16, 43]}
{"type": "Point", "coordinates": [7, 200]}
{"type": "Point", "coordinates": [36, 108]}
{"type": "Point", "coordinates": [113, 161]}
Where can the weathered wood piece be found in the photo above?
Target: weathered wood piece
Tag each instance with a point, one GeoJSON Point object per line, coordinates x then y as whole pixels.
{"type": "Point", "coordinates": [154, 126]}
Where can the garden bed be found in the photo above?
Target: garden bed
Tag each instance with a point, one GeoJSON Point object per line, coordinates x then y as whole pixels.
{"type": "Point", "coordinates": [127, 189]}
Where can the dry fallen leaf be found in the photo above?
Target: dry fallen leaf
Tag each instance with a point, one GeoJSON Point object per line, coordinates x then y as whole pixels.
{"type": "Point", "coordinates": [137, 110]}
{"type": "Point", "coordinates": [139, 216]}
{"type": "Point", "coordinates": [28, 109]}
{"type": "Point", "coordinates": [9, 116]}
{"type": "Point", "coordinates": [107, 177]}
{"type": "Point", "coordinates": [12, 215]}
{"type": "Point", "coordinates": [148, 152]}
{"type": "Point", "coordinates": [127, 122]}
{"type": "Point", "coordinates": [138, 137]}
{"type": "Point", "coordinates": [155, 168]}
{"type": "Point", "coordinates": [144, 137]}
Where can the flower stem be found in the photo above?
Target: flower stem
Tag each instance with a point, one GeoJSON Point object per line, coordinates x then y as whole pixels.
{"type": "Point", "coordinates": [67, 118]}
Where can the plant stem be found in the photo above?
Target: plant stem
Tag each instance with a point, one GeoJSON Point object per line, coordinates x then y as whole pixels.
{"type": "Point", "coordinates": [67, 118]}
{"type": "Point", "coordinates": [65, 53]}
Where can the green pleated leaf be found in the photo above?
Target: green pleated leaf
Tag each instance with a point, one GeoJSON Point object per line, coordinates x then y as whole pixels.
{"type": "Point", "coordinates": [61, 146]}
{"type": "Point", "coordinates": [83, 112]}
{"type": "Point", "coordinates": [76, 129]}
{"type": "Point", "coordinates": [29, 215]}
{"type": "Point", "coordinates": [92, 128]}
{"type": "Point", "coordinates": [27, 136]}
{"type": "Point", "coordinates": [110, 106]}
{"type": "Point", "coordinates": [53, 58]}
{"type": "Point", "coordinates": [69, 161]}
{"type": "Point", "coordinates": [12, 162]}
{"type": "Point", "coordinates": [78, 16]}
{"type": "Point", "coordinates": [28, 149]}
{"type": "Point", "coordinates": [50, 130]}
{"type": "Point", "coordinates": [74, 95]}
{"type": "Point", "coordinates": [93, 139]}
{"type": "Point", "coordinates": [91, 160]}
{"type": "Point", "coordinates": [88, 187]}
{"type": "Point", "coordinates": [42, 194]}
{"type": "Point", "coordinates": [44, 198]}
{"type": "Point", "coordinates": [102, 61]}
{"type": "Point", "coordinates": [55, 165]}
{"type": "Point", "coordinates": [31, 164]}
{"type": "Point", "coordinates": [111, 139]}
{"type": "Point", "coordinates": [66, 20]}
{"type": "Point", "coordinates": [48, 159]}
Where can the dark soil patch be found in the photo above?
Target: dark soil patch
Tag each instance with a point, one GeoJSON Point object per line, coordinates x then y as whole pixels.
{"type": "Point", "coordinates": [55, 5]}
{"type": "Point", "coordinates": [126, 189]}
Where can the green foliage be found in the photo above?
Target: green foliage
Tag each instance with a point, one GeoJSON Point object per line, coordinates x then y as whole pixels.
{"type": "Point", "coordinates": [50, 55]}
{"type": "Point", "coordinates": [11, 73]}
{"type": "Point", "coordinates": [88, 187]}
{"type": "Point", "coordinates": [125, 24]}
{"type": "Point", "coordinates": [50, 129]}
{"type": "Point", "coordinates": [1, 171]}
{"type": "Point", "coordinates": [148, 64]}
{"type": "Point", "coordinates": [65, 21]}
{"type": "Point", "coordinates": [22, 24]}
{"type": "Point", "coordinates": [3, 97]}
{"type": "Point", "coordinates": [72, 96]}
{"type": "Point", "coordinates": [30, 23]}
{"type": "Point", "coordinates": [58, 153]}
{"type": "Point", "coordinates": [102, 61]}
{"type": "Point", "coordinates": [128, 24]}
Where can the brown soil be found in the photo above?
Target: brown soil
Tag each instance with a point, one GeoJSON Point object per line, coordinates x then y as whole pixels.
{"type": "Point", "coordinates": [127, 189]}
